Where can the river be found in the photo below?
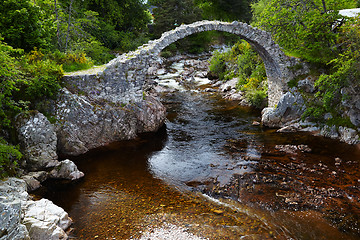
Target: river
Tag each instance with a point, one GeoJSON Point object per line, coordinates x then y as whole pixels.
{"type": "Point", "coordinates": [211, 173]}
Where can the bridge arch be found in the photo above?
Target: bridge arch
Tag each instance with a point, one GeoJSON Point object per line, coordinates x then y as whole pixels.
{"type": "Point", "coordinates": [277, 64]}
{"type": "Point", "coordinates": [123, 78]}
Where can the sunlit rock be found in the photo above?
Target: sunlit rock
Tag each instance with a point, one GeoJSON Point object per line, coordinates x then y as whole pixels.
{"type": "Point", "coordinates": [66, 170]}
{"type": "Point", "coordinates": [38, 140]}
{"type": "Point", "coordinates": [46, 221]}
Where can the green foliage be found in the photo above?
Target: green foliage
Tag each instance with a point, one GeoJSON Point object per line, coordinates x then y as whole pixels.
{"type": "Point", "coordinates": [72, 61]}
{"type": "Point", "coordinates": [42, 77]}
{"type": "Point", "coordinates": [257, 98]}
{"type": "Point", "coordinates": [218, 64]}
{"type": "Point", "coordinates": [9, 155]}
{"type": "Point", "coordinates": [344, 71]}
{"type": "Point", "coordinates": [125, 15]}
{"type": "Point", "coordinates": [305, 28]}
{"type": "Point", "coordinates": [226, 10]}
{"type": "Point", "coordinates": [10, 75]}
{"type": "Point", "coordinates": [170, 14]}
{"type": "Point", "coordinates": [24, 81]}
{"type": "Point", "coordinates": [245, 64]}
{"type": "Point", "coordinates": [24, 25]}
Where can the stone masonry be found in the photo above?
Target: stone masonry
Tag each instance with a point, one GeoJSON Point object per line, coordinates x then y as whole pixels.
{"type": "Point", "coordinates": [122, 80]}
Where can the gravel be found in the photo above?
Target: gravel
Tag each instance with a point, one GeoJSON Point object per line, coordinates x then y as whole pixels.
{"type": "Point", "coordinates": [169, 231]}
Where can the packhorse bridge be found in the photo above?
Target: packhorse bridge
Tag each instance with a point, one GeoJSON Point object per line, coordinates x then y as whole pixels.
{"type": "Point", "coordinates": [123, 79]}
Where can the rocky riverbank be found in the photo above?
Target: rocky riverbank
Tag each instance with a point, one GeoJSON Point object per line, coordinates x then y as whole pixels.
{"type": "Point", "coordinates": [23, 218]}
{"type": "Point", "coordinates": [79, 123]}
{"type": "Point", "coordinates": [286, 116]}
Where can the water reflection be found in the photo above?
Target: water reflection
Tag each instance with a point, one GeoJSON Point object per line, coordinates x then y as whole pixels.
{"type": "Point", "coordinates": [210, 145]}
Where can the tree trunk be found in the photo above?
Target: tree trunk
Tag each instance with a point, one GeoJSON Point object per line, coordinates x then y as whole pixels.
{"type": "Point", "coordinates": [69, 23]}
{"type": "Point", "coordinates": [57, 25]}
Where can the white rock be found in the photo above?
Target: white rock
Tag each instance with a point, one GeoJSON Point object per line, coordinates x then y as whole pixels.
{"type": "Point", "coordinates": [66, 170]}
{"type": "Point", "coordinates": [46, 221]}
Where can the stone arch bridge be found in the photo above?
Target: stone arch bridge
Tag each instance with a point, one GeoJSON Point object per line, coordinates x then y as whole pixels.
{"type": "Point", "coordinates": [122, 80]}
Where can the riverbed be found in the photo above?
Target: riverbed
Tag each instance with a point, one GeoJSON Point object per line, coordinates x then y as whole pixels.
{"type": "Point", "coordinates": [210, 173]}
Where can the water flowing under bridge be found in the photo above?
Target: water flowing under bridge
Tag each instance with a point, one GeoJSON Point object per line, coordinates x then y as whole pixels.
{"type": "Point", "coordinates": [123, 78]}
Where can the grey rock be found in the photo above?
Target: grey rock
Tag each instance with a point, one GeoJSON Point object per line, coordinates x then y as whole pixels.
{"type": "Point", "coordinates": [66, 170]}
{"type": "Point", "coordinates": [41, 176]}
{"type": "Point", "coordinates": [287, 129]}
{"type": "Point", "coordinates": [290, 107]}
{"type": "Point", "coordinates": [86, 124]}
{"type": "Point", "coordinates": [306, 85]}
{"type": "Point", "coordinates": [209, 90]}
{"type": "Point", "coordinates": [24, 219]}
{"type": "Point", "coordinates": [38, 140]}
{"type": "Point", "coordinates": [349, 135]}
{"type": "Point", "coordinates": [160, 71]}
{"type": "Point", "coordinates": [12, 196]}
{"type": "Point", "coordinates": [217, 84]}
{"type": "Point", "coordinates": [354, 115]}
{"type": "Point", "coordinates": [229, 85]}
{"type": "Point", "coordinates": [31, 183]}
{"type": "Point", "coordinates": [330, 132]}
{"type": "Point", "coordinates": [46, 221]}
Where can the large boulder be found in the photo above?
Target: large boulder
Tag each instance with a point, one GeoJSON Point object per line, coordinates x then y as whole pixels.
{"type": "Point", "coordinates": [12, 196]}
{"type": "Point", "coordinates": [85, 124]}
{"type": "Point", "coordinates": [290, 107]}
{"type": "Point", "coordinates": [46, 221]}
{"type": "Point", "coordinates": [38, 140]}
{"type": "Point", "coordinates": [24, 219]}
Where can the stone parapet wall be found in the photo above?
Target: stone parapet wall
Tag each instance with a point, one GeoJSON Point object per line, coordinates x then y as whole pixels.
{"type": "Point", "coordinates": [123, 78]}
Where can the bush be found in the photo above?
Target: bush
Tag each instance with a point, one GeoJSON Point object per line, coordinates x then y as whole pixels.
{"type": "Point", "coordinates": [344, 71]}
{"type": "Point", "coordinates": [9, 156]}
{"type": "Point", "coordinates": [72, 61]}
{"type": "Point", "coordinates": [257, 98]}
{"type": "Point", "coordinates": [218, 65]}
{"type": "Point", "coordinates": [245, 64]}
{"type": "Point", "coordinates": [94, 50]}
{"type": "Point", "coordinates": [42, 79]}
{"type": "Point", "coordinates": [10, 76]}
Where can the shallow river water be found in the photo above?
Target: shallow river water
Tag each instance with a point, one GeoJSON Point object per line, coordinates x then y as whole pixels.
{"type": "Point", "coordinates": [210, 173]}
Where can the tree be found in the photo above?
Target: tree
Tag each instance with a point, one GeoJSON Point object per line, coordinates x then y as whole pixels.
{"type": "Point", "coordinates": [21, 24]}
{"type": "Point", "coordinates": [306, 28]}
{"type": "Point", "coordinates": [226, 10]}
{"type": "Point", "coordinates": [125, 15]}
{"type": "Point", "coordinates": [172, 13]}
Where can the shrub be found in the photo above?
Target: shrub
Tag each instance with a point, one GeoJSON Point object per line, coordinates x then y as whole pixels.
{"type": "Point", "coordinates": [43, 77]}
{"type": "Point", "coordinates": [245, 64]}
{"type": "Point", "coordinates": [257, 98]}
{"type": "Point", "coordinates": [72, 61]}
{"type": "Point", "coordinates": [9, 155]}
{"type": "Point", "coordinates": [94, 50]}
{"type": "Point", "coordinates": [218, 65]}
{"type": "Point", "coordinates": [10, 76]}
